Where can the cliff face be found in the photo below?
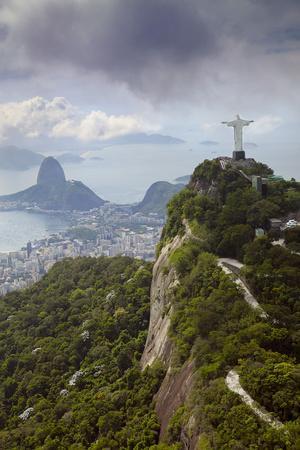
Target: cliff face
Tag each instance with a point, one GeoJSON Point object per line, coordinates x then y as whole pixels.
{"type": "Point", "coordinates": [173, 393]}
{"type": "Point", "coordinates": [51, 173]}
{"type": "Point", "coordinates": [218, 339]}
{"type": "Point", "coordinates": [176, 385]}
{"type": "Point", "coordinates": [164, 280]}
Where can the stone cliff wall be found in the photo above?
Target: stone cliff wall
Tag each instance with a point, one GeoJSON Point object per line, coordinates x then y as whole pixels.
{"type": "Point", "coordinates": [176, 385]}
{"type": "Point", "coordinates": [164, 280]}
{"type": "Point", "coordinates": [173, 392]}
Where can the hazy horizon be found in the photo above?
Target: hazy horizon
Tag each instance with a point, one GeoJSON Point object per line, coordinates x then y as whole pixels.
{"type": "Point", "coordinates": [125, 172]}
{"type": "Point", "coordinates": [77, 75]}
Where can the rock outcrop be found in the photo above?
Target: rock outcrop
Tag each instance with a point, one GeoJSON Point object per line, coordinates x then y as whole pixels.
{"type": "Point", "coordinates": [172, 393]}
{"type": "Point", "coordinates": [176, 385]}
{"type": "Point", "coordinates": [196, 391]}
{"type": "Point", "coordinates": [164, 280]}
{"type": "Point", "coordinates": [54, 192]}
{"type": "Point", "coordinates": [51, 173]}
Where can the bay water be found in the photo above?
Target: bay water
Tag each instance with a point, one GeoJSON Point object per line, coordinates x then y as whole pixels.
{"type": "Point", "coordinates": [122, 174]}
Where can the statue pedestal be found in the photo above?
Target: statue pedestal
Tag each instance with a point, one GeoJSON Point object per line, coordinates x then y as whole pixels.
{"type": "Point", "coordinates": [237, 155]}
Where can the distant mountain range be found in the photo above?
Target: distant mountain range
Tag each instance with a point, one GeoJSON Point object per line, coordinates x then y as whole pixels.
{"type": "Point", "coordinates": [14, 158]}
{"type": "Point", "coordinates": [54, 192]}
{"type": "Point", "coordinates": [184, 179]}
{"type": "Point", "coordinates": [69, 158]}
{"type": "Point", "coordinates": [143, 138]}
{"type": "Point", "coordinates": [157, 198]}
{"type": "Point", "coordinates": [209, 143]}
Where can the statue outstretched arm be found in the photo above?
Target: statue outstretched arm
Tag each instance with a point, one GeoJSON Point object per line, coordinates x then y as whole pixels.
{"type": "Point", "coordinates": [231, 124]}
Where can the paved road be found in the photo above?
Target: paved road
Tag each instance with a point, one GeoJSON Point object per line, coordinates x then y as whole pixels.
{"type": "Point", "coordinates": [282, 244]}
{"type": "Point", "coordinates": [233, 383]}
{"type": "Point", "coordinates": [249, 298]}
{"type": "Point", "coordinates": [232, 262]}
{"type": "Point", "coordinates": [222, 262]}
{"type": "Point", "coordinates": [232, 379]}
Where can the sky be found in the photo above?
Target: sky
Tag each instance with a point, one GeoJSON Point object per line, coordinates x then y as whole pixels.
{"type": "Point", "coordinates": [82, 72]}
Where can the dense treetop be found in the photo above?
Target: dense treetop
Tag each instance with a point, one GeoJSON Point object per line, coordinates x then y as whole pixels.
{"type": "Point", "coordinates": [70, 345]}
{"type": "Point", "coordinates": [70, 348]}
{"type": "Point", "coordinates": [211, 322]}
{"type": "Point", "coordinates": [224, 209]}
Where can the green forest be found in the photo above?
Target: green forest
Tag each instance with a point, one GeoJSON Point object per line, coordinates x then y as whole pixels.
{"type": "Point", "coordinates": [213, 325]}
{"type": "Point", "coordinates": [87, 317]}
{"type": "Point", "coordinates": [70, 346]}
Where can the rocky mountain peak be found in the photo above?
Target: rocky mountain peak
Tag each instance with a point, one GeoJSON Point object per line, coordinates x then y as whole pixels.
{"type": "Point", "coordinates": [51, 172]}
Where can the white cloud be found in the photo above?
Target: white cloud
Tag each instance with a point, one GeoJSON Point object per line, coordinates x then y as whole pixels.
{"type": "Point", "coordinates": [59, 118]}
{"type": "Point", "coordinates": [265, 124]}
{"type": "Point", "coordinates": [97, 125]}
{"type": "Point", "coordinates": [210, 127]}
{"type": "Point", "coordinates": [34, 117]}
{"type": "Point", "coordinates": [261, 125]}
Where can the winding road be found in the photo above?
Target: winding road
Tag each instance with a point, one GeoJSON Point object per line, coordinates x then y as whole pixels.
{"type": "Point", "coordinates": [233, 383]}
{"type": "Point", "coordinates": [232, 379]}
{"type": "Point", "coordinates": [225, 264]}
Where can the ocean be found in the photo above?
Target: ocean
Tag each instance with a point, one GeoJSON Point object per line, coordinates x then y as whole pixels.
{"type": "Point", "coordinates": [122, 174]}
{"type": "Point", "coordinates": [19, 227]}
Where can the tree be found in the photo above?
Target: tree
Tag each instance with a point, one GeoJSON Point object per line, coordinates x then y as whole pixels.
{"type": "Point", "coordinates": [234, 239]}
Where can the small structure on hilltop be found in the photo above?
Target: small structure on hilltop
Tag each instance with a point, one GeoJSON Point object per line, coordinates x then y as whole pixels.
{"type": "Point", "coordinates": [260, 184]}
{"type": "Point", "coordinates": [238, 126]}
{"type": "Point", "coordinates": [275, 224]}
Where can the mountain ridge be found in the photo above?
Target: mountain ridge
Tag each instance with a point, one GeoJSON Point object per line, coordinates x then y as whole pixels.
{"type": "Point", "coordinates": [195, 295]}
{"type": "Point", "coordinates": [15, 158]}
{"type": "Point", "coordinates": [54, 192]}
{"type": "Point", "coordinates": [220, 365]}
{"type": "Point", "coordinates": [156, 197]}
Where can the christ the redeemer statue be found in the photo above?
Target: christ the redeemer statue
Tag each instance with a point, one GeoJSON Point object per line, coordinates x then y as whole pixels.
{"type": "Point", "coordinates": [238, 125]}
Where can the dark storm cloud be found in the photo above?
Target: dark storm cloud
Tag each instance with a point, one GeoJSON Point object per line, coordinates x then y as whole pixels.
{"type": "Point", "coordinates": [3, 31]}
{"type": "Point", "coordinates": [285, 35]}
{"type": "Point", "coordinates": [119, 37]}
{"type": "Point", "coordinates": [14, 74]}
{"type": "Point", "coordinates": [150, 45]}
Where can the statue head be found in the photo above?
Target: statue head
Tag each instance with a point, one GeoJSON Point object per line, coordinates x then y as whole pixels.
{"type": "Point", "coordinates": [238, 117]}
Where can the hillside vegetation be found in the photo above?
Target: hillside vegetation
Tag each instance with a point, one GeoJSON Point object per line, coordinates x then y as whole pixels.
{"type": "Point", "coordinates": [157, 198]}
{"type": "Point", "coordinates": [70, 346]}
{"type": "Point", "coordinates": [70, 349]}
{"type": "Point", "coordinates": [224, 210]}
{"type": "Point", "coordinates": [212, 324]}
